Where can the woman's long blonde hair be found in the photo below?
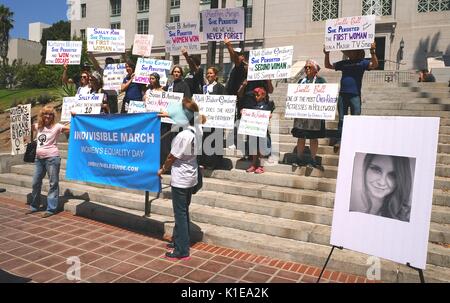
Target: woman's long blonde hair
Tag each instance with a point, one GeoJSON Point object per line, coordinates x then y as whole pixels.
{"type": "Point", "coordinates": [48, 109]}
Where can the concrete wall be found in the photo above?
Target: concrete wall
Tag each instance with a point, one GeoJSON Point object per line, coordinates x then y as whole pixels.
{"type": "Point", "coordinates": [35, 31]}
{"type": "Point", "coordinates": [28, 51]}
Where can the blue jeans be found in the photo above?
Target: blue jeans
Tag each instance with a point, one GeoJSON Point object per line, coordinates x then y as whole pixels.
{"type": "Point", "coordinates": [346, 101]}
{"type": "Point", "coordinates": [181, 199]}
{"type": "Point", "coordinates": [42, 166]}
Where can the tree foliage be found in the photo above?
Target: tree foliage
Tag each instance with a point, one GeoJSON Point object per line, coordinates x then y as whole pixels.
{"type": "Point", "coordinates": [59, 31]}
{"type": "Point", "coordinates": [6, 24]}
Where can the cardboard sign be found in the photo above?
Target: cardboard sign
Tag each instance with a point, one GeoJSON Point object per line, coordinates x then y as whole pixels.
{"type": "Point", "coordinates": [219, 110]}
{"type": "Point", "coordinates": [113, 76]}
{"type": "Point", "coordinates": [81, 104]}
{"type": "Point", "coordinates": [350, 33]}
{"type": "Point", "coordinates": [270, 63]}
{"type": "Point", "coordinates": [147, 66]}
{"type": "Point", "coordinates": [219, 24]}
{"type": "Point", "coordinates": [384, 187]}
{"type": "Point", "coordinates": [254, 122]}
{"type": "Point", "coordinates": [142, 45]}
{"type": "Point", "coordinates": [105, 40]}
{"type": "Point", "coordinates": [136, 107]}
{"type": "Point", "coordinates": [182, 34]}
{"type": "Point", "coordinates": [20, 127]}
{"type": "Point", "coordinates": [160, 102]}
{"type": "Point", "coordinates": [63, 52]}
{"type": "Point", "coordinates": [312, 101]}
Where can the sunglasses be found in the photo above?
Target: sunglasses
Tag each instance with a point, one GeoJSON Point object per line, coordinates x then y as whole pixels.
{"type": "Point", "coordinates": [84, 77]}
{"type": "Point", "coordinates": [48, 114]}
{"type": "Point", "coordinates": [308, 67]}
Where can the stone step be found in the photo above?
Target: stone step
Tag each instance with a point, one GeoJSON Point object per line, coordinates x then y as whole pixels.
{"type": "Point", "coordinates": [118, 216]}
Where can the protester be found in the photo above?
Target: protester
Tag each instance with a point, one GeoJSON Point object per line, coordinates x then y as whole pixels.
{"type": "Point", "coordinates": [47, 160]}
{"type": "Point", "coordinates": [83, 86]}
{"type": "Point", "coordinates": [426, 76]}
{"type": "Point", "coordinates": [178, 85]}
{"type": "Point", "coordinates": [182, 161]}
{"type": "Point", "coordinates": [311, 129]}
{"type": "Point", "coordinates": [195, 78]}
{"type": "Point", "coordinates": [258, 147]}
{"type": "Point", "coordinates": [133, 91]}
{"type": "Point", "coordinates": [96, 84]}
{"type": "Point", "coordinates": [153, 86]}
{"type": "Point", "coordinates": [351, 81]}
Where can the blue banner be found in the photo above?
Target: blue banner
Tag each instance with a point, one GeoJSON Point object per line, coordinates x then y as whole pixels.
{"type": "Point", "coordinates": [117, 150]}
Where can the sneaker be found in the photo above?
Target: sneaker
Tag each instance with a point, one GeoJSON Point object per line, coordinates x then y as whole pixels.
{"type": "Point", "coordinates": [175, 257]}
{"type": "Point", "coordinates": [316, 165]}
{"type": "Point", "coordinates": [259, 170]}
{"type": "Point", "coordinates": [170, 245]}
{"type": "Point", "coordinates": [48, 214]}
{"type": "Point", "coordinates": [251, 169]}
{"type": "Point", "coordinates": [32, 211]}
{"type": "Point", "coordinates": [336, 148]}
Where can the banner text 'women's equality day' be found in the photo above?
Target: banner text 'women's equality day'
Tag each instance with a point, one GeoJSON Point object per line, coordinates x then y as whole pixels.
{"type": "Point", "coordinates": [118, 150]}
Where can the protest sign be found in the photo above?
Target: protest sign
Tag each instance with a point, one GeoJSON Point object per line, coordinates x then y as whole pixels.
{"type": "Point", "coordinates": [182, 34]}
{"type": "Point", "coordinates": [117, 150]}
{"type": "Point", "coordinates": [142, 45]}
{"type": "Point", "coordinates": [63, 52]}
{"type": "Point", "coordinates": [219, 110]}
{"type": "Point", "coordinates": [160, 102]}
{"type": "Point", "coordinates": [105, 40]}
{"type": "Point", "coordinates": [113, 76]}
{"type": "Point", "coordinates": [20, 127]}
{"type": "Point", "coordinates": [349, 33]}
{"type": "Point", "coordinates": [81, 104]}
{"type": "Point", "coordinates": [254, 122]}
{"type": "Point", "coordinates": [219, 24]}
{"type": "Point", "coordinates": [270, 63]}
{"type": "Point", "coordinates": [312, 101]}
{"type": "Point", "coordinates": [147, 66]}
{"type": "Point", "coordinates": [136, 107]}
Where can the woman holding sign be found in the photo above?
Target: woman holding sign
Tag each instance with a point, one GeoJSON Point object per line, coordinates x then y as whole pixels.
{"type": "Point", "coordinates": [311, 129]}
{"type": "Point", "coordinates": [47, 160]}
{"type": "Point", "coordinates": [133, 91]}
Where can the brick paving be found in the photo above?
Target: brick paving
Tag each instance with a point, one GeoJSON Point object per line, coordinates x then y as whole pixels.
{"type": "Point", "coordinates": [36, 250]}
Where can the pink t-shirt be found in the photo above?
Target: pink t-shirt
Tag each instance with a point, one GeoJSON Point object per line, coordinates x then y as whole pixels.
{"type": "Point", "coordinates": [46, 141]}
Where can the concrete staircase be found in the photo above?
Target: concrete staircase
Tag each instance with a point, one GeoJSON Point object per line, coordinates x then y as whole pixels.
{"type": "Point", "coordinates": [284, 213]}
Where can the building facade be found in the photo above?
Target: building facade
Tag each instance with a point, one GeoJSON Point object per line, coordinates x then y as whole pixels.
{"type": "Point", "coordinates": [35, 31]}
{"type": "Point", "coordinates": [25, 50]}
{"type": "Point", "coordinates": [407, 31]}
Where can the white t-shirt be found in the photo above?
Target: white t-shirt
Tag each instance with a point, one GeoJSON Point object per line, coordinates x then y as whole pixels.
{"type": "Point", "coordinates": [184, 169]}
{"type": "Point", "coordinates": [46, 141]}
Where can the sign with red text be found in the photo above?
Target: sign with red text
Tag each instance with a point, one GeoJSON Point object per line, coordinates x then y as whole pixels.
{"type": "Point", "coordinates": [20, 128]}
{"type": "Point", "coordinates": [254, 122]}
{"type": "Point", "coordinates": [63, 52]}
{"type": "Point", "coordinates": [219, 24]}
{"type": "Point", "coordinates": [312, 101]}
{"type": "Point", "coordinates": [270, 63]}
{"type": "Point", "coordinates": [350, 33]}
{"type": "Point", "coordinates": [182, 34]}
{"type": "Point", "coordinates": [105, 40]}
{"type": "Point", "coordinates": [160, 102]}
{"type": "Point", "coordinates": [147, 66]}
{"type": "Point", "coordinates": [142, 45]}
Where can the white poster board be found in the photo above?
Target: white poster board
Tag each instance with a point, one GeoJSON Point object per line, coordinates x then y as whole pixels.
{"type": "Point", "coordinates": [142, 45]}
{"type": "Point", "coordinates": [312, 101]}
{"type": "Point", "coordinates": [219, 24]}
{"type": "Point", "coordinates": [63, 52]}
{"type": "Point", "coordinates": [20, 127]}
{"type": "Point", "coordinates": [254, 122]}
{"type": "Point", "coordinates": [350, 33]}
{"type": "Point", "coordinates": [113, 76]}
{"type": "Point", "coordinates": [136, 107]}
{"type": "Point", "coordinates": [368, 172]}
{"type": "Point", "coordinates": [105, 40]}
{"type": "Point", "coordinates": [270, 63]}
{"type": "Point", "coordinates": [219, 110]}
{"type": "Point", "coordinates": [82, 105]}
{"type": "Point", "coordinates": [182, 34]}
{"type": "Point", "coordinates": [147, 66]}
{"type": "Point", "coordinates": [160, 102]}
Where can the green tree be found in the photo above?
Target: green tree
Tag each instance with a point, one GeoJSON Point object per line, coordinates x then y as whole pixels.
{"type": "Point", "coordinates": [59, 31]}
{"type": "Point", "coordinates": [6, 24]}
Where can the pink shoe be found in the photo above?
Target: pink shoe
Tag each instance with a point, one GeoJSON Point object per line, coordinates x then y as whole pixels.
{"type": "Point", "coordinates": [251, 169]}
{"type": "Point", "coordinates": [259, 170]}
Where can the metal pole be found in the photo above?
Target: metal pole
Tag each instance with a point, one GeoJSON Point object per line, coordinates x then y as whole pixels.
{"type": "Point", "coordinates": [221, 44]}
{"type": "Point", "coordinates": [242, 43]}
{"type": "Point", "coordinates": [212, 45]}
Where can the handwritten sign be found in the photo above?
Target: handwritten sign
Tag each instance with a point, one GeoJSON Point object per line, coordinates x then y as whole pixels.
{"type": "Point", "coordinates": [219, 24]}
{"type": "Point", "coordinates": [312, 101]}
{"type": "Point", "coordinates": [20, 127]}
{"type": "Point", "coordinates": [142, 45]}
{"type": "Point", "coordinates": [81, 104]}
{"type": "Point", "coordinates": [270, 63]}
{"type": "Point", "coordinates": [160, 102]}
{"type": "Point", "coordinates": [349, 33]}
{"type": "Point", "coordinates": [105, 40]}
{"type": "Point", "coordinates": [254, 122]}
{"type": "Point", "coordinates": [182, 34]}
{"type": "Point", "coordinates": [147, 66]}
{"type": "Point", "coordinates": [63, 52]}
{"type": "Point", "coordinates": [219, 110]}
{"type": "Point", "coordinates": [113, 76]}
{"type": "Point", "coordinates": [136, 107]}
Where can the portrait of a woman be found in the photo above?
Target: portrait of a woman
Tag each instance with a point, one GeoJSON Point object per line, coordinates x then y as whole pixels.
{"type": "Point", "coordinates": [383, 187]}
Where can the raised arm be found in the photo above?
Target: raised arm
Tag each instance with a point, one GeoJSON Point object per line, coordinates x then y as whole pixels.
{"type": "Point", "coordinates": [373, 60]}
{"type": "Point", "coordinates": [192, 66]}
{"type": "Point", "coordinates": [94, 62]}
{"type": "Point", "coordinates": [327, 62]}
{"type": "Point", "coordinates": [269, 86]}
{"type": "Point", "coordinates": [234, 57]}
{"type": "Point", "coordinates": [64, 78]}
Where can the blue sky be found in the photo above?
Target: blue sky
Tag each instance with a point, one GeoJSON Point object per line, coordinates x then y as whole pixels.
{"type": "Point", "coordinates": [29, 11]}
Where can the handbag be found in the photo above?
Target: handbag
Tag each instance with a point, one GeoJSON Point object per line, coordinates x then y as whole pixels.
{"type": "Point", "coordinates": [199, 181]}
{"type": "Point", "coordinates": [30, 152]}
